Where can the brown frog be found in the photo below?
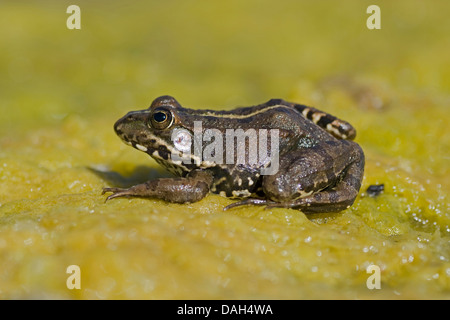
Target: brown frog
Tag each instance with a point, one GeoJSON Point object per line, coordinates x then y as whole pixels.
{"type": "Point", "coordinates": [308, 161]}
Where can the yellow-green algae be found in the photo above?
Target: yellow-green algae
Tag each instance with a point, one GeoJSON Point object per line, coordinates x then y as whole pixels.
{"type": "Point", "coordinates": [61, 91]}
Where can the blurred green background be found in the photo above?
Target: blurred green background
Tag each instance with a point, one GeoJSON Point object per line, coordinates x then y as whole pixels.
{"type": "Point", "coordinates": [206, 53]}
{"type": "Point", "coordinates": [61, 91]}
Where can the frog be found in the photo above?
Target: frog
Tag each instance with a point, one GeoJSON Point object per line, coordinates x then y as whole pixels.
{"type": "Point", "coordinates": [318, 169]}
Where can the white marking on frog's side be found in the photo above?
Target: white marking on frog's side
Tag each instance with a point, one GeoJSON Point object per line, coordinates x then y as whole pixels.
{"type": "Point", "coordinates": [141, 147]}
{"type": "Point", "coordinates": [241, 193]}
{"type": "Point", "coordinates": [156, 154]}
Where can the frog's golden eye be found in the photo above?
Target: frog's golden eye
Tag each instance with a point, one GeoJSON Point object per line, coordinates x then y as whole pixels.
{"type": "Point", "coordinates": [161, 119]}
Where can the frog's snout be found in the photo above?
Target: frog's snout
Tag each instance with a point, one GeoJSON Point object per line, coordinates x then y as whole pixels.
{"type": "Point", "coordinates": [127, 126]}
{"type": "Point", "coordinates": [118, 126]}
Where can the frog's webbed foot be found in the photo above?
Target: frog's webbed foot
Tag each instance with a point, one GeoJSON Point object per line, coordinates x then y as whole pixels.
{"type": "Point", "coordinates": [281, 205]}
{"type": "Point", "coordinates": [248, 202]}
{"type": "Point", "coordinates": [301, 204]}
{"type": "Point", "coordinates": [325, 201]}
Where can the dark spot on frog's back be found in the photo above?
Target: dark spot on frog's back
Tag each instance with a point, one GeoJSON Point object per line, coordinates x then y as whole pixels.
{"type": "Point", "coordinates": [325, 120]}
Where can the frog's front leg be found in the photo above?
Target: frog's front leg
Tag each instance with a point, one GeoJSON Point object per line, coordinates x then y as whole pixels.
{"type": "Point", "coordinates": [192, 188]}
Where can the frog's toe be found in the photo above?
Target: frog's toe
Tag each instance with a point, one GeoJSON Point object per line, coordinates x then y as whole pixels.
{"type": "Point", "coordinates": [116, 192]}
{"type": "Point", "coordinates": [113, 190]}
{"type": "Point", "coordinates": [247, 202]}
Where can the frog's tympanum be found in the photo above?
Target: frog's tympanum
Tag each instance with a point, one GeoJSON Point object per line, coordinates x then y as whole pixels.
{"type": "Point", "coordinates": [276, 154]}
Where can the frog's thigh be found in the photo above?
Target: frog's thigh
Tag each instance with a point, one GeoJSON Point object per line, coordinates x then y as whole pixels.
{"type": "Point", "coordinates": [325, 178]}
{"type": "Point", "coordinates": [337, 198]}
{"type": "Point", "coordinates": [307, 170]}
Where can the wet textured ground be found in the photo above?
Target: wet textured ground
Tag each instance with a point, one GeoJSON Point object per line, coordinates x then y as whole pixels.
{"type": "Point", "coordinates": [62, 90]}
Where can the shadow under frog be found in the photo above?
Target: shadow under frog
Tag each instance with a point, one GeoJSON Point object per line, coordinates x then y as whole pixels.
{"type": "Point", "coordinates": [139, 175]}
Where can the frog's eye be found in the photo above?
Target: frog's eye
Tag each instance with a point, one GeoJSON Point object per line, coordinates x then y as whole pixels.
{"type": "Point", "coordinates": [161, 119]}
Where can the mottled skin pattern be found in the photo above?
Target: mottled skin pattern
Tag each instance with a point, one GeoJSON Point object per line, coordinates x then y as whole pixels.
{"type": "Point", "coordinates": [320, 169]}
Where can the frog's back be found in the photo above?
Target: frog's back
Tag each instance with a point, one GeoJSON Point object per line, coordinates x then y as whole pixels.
{"type": "Point", "coordinates": [340, 129]}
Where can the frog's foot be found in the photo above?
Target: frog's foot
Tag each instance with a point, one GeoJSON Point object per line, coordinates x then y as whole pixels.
{"type": "Point", "coordinates": [326, 201]}
{"type": "Point", "coordinates": [296, 204]}
{"type": "Point", "coordinates": [249, 202]}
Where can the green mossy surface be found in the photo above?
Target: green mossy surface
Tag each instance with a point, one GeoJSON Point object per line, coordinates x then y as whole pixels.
{"type": "Point", "coordinates": [62, 90]}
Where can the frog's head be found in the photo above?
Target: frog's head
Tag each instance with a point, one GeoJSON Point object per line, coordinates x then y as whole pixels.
{"type": "Point", "coordinates": [161, 131]}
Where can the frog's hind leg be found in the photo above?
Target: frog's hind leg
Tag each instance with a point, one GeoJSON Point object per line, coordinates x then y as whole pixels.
{"type": "Point", "coordinates": [333, 198]}
{"type": "Point", "coordinates": [325, 178]}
